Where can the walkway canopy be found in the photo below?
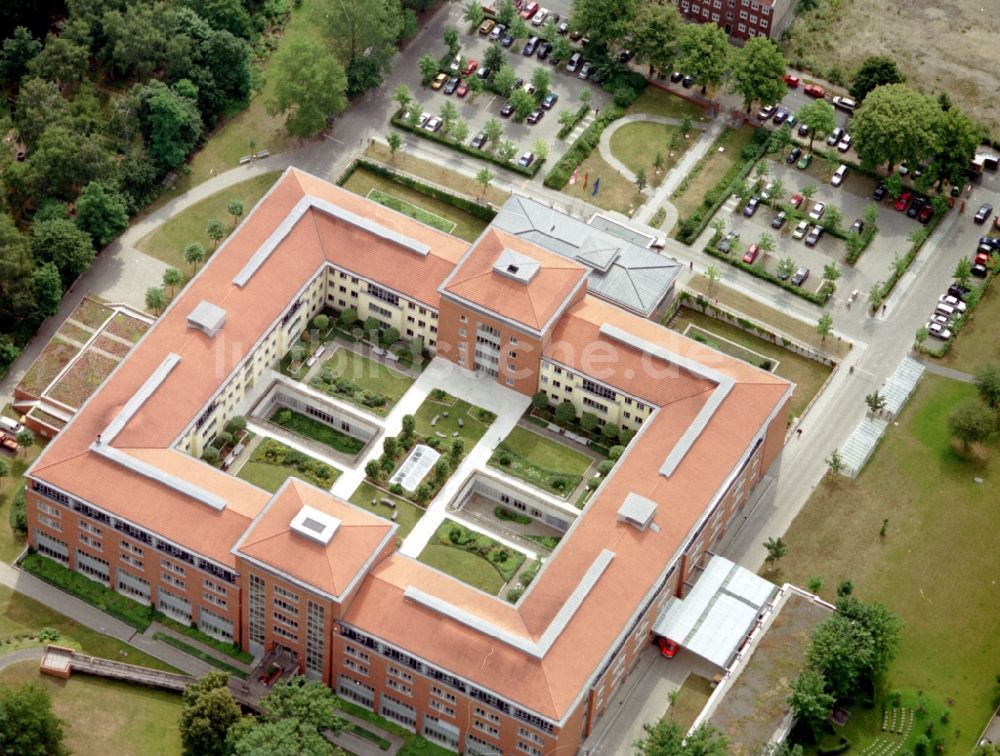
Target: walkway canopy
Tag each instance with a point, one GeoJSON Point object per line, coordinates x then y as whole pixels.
{"type": "Point", "coordinates": [718, 613]}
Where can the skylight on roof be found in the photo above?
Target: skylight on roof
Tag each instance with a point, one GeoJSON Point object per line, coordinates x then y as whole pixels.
{"type": "Point", "coordinates": [207, 317]}
{"type": "Point", "coordinates": [315, 525]}
{"type": "Point", "coordinates": [517, 266]}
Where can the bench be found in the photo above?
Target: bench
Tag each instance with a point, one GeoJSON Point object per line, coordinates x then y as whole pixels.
{"type": "Point", "coordinates": [310, 362]}
{"type": "Point", "coordinates": [245, 159]}
{"type": "Point", "coordinates": [461, 424]}
{"type": "Point", "coordinates": [389, 503]}
{"type": "Point", "coordinates": [262, 154]}
{"type": "Point", "coordinates": [439, 434]}
{"type": "Point", "coordinates": [434, 420]}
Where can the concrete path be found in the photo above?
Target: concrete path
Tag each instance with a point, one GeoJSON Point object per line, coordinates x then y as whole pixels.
{"type": "Point", "coordinates": [21, 655]}
{"type": "Point", "coordinates": [947, 372]}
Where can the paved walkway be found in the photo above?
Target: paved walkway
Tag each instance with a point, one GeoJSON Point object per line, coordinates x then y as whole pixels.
{"type": "Point", "coordinates": [947, 372]}
{"type": "Point", "coordinates": [21, 655]}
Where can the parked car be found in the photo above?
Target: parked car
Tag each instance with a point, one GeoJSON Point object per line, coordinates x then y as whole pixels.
{"type": "Point", "coordinates": [506, 109]}
{"type": "Point", "coordinates": [989, 241]}
{"type": "Point", "coordinates": [462, 89]}
{"type": "Point", "coordinates": [915, 207]}
{"type": "Point", "coordinates": [858, 226]}
{"type": "Point", "coordinates": [526, 159]}
{"type": "Point", "coordinates": [779, 220]}
{"type": "Point", "coordinates": [726, 242]}
{"type": "Point", "coordinates": [487, 26]}
{"type": "Point", "coordinates": [845, 143]}
{"type": "Point", "coordinates": [455, 63]}
{"type": "Point", "coordinates": [422, 119]}
{"type": "Point", "coordinates": [983, 213]}
{"type": "Point", "coordinates": [838, 176]}
{"type": "Point", "coordinates": [792, 119]}
{"type": "Point", "coordinates": [433, 124]}
{"type": "Point", "coordinates": [817, 210]}
{"type": "Point", "coordinates": [980, 271]}
{"type": "Point", "coordinates": [938, 331]}
{"type": "Point", "coordinates": [508, 39]}
{"type": "Point", "coordinates": [479, 140]}
{"type": "Point", "coordinates": [625, 56]}
{"type": "Point", "coordinates": [951, 301]}
{"type": "Point", "coordinates": [530, 46]}
{"type": "Point", "coordinates": [751, 254]}
{"type": "Point", "coordinates": [539, 18]}
{"type": "Point", "coordinates": [803, 129]}
{"type": "Point", "coordinates": [796, 200]}
{"type": "Point", "coordinates": [549, 100]}
{"type": "Point", "coordinates": [942, 319]}
{"type": "Point", "coordinates": [439, 81]}
{"type": "Point", "coordinates": [768, 190]}
{"type": "Point", "coordinates": [585, 70]}
{"type": "Point", "coordinates": [800, 230]}
{"type": "Point", "coordinates": [781, 115]}
{"type": "Point", "coordinates": [470, 67]}
{"type": "Point", "coordinates": [982, 258]}
{"type": "Point", "coordinates": [834, 136]}
{"type": "Point", "coordinates": [575, 36]}
{"type": "Point", "coordinates": [903, 202]}
{"type": "Point", "coordinates": [792, 81]}
{"type": "Point", "coordinates": [947, 310]}
{"type": "Point", "coordinates": [844, 103]}
{"type": "Point", "coordinates": [574, 62]}
{"type": "Point", "coordinates": [814, 235]}
{"type": "Point", "coordinates": [544, 49]}
{"type": "Point", "coordinates": [814, 90]}
{"type": "Point", "coordinates": [483, 72]}
{"type": "Point", "coordinates": [535, 116]}
{"type": "Point", "coordinates": [751, 207]}
{"type": "Point", "coordinates": [451, 85]}
{"type": "Point", "coordinates": [959, 291]}
{"type": "Point", "coordinates": [529, 10]}
{"type": "Point", "coordinates": [879, 194]}
{"type": "Point", "coordinates": [800, 276]}
{"type": "Point", "coordinates": [667, 647]}
{"type": "Point", "coordinates": [765, 113]}
{"type": "Point", "coordinates": [804, 161]}
{"type": "Point", "coordinates": [498, 31]}
{"type": "Point", "coordinates": [676, 76]}
{"type": "Point", "coordinates": [687, 82]}
{"type": "Point", "coordinates": [563, 27]}
{"type": "Point", "coordinates": [795, 154]}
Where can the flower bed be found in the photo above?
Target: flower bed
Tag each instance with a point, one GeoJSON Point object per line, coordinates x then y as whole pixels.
{"type": "Point", "coordinates": [112, 346]}
{"type": "Point", "coordinates": [87, 373]}
{"type": "Point", "coordinates": [274, 454]}
{"type": "Point", "coordinates": [91, 313]}
{"type": "Point", "coordinates": [54, 357]}
{"type": "Point", "coordinates": [127, 327]}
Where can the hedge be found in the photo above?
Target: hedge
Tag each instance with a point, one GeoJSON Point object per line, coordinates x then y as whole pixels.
{"type": "Point", "coordinates": [199, 654]}
{"type": "Point", "coordinates": [890, 284]}
{"type": "Point", "coordinates": [488, 157]}
{"type": "Point", "coordinates": [820, 297]}
{"type": "Point", "coordinates": [18, 516]}
{"type": "Point", "coordinates": [585, 143]}
{"type": "Point", "coordinates": [229, 649]}
{"type": "Point", "coordinates": [580, 114]}
{"type": "Point", "coordinates": [477, 209]}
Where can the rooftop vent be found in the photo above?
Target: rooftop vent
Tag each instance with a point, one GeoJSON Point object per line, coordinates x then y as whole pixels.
{"type": "Point", "coordinates": [637, 511]}
{"type": "Point", "coordinates": [517, 266]}
{"type": "Point", "coordinates": [315, 525]}
{"type": "Point", "coordinates": [207, 317]}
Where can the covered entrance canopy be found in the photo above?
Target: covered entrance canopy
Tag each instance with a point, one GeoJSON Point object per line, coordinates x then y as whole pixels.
{"type": "Point", "coordinates": [719, 613]}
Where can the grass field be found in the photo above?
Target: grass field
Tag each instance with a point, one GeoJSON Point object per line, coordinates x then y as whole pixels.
{"type": "Point", "coordinates": [266, 468]}
{"type": "Point", "coordinates": [105, 716]}
{"type": "Point", "coordinates": [937, 565]}
{"type": "Point", "coordinates": [539, 460]}
{"type": "Point", "coordinates": [979, 342]}
{"type": "Point", "coordinates": [808, 375]}
{"type": "Point", "coordinates": [311, 428]}
{"type": "Point", "coordinates": [369, 375]}
{"type": "Point", "coordinates": [691, 699]}
{"type": "Point", "coordinates": [11, 545]}
{"type": "Point", "coordinates": [465, 227]}
{"type": "Point", "coordinates": [615, 192]}
{"type": "Point", "coordinates": [271, 477]}
{"type": "Point", "coordinates": [636, 145]}
{"type": "Point", "coordinates": [713, 170]}
{"type": "Point", "coordinates": [655, 101]}
{"type": "Point", "coordinates": [412, 211]}
{"type": "Point", "coordinates": [462, 563]}
{"type": "Point", "coordinates": [407, 513]}
{"type": "Point", "coordinates": [168, 241]}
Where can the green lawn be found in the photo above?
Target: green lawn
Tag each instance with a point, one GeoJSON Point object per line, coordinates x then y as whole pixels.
{"type": "Point", "coordinates": [541, 461]}
{"type": "Point", "coordinates": [308, 427]}
{"type": "Point", "coordinates": [365, 182]}
{"type": "Point", "coordinates": [807, 375]}
{"type": "Point", "coordinates": [937, 565]}
{"type": "Point", "coordinates": [477, 559]}
{"type": "Point", "coordinates": [106, 716]}
{"type": "Point", "coordinates": [691, 699]}
{"type": "Point", "coordinates": [714, 168]}
{"type": "Point", "coordinates": [406, 208]}
{"type": "Point", "coordinates": [10, 544]}
{"type": "Point", "coordinates": [656, 101]}
{"type": "Point", "coordinates": [273, 463]}
{"type": "Point", "coordinates": [615, 192]}
{"type": "Point", "coordinates": [636, 145]}
{"type": "Point", "coordinates": [271, 477]}
{"type": "Point", "coordinates": [472, 430]}
{"type": "Point", "coordinates": [363, 374]}
{"type": "Point", "coordinates": [168, 241]}
{"type": "Point", "coordinates": [408, 513]}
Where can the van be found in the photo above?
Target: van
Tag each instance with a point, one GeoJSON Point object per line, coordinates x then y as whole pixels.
{"type": "Point", "coordinates": [839, 175]}
{"type": "Point", "coordinates": [946, 309]}
{"type": "Point", "coordinates": [9, 426]}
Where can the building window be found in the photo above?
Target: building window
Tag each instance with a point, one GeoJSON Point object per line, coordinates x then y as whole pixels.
{"type": "Point", "coordinates": [54, 511]}
{"type": "Point", "coordinates": [283, 633]}
{"type": "Point", "coordinates": [172, 605]}
{"type": "Point", "coordinates": [133, 585]}
{"type": "Point", "coordinates": [356, 691]}
{"type": "Point", "coordinates": [126, 546]}
{"type": "Point", "coordinates": [171, 580]}
{"type": "Point", "coordinates": [91, 542]}
{"type": "Point", "coordinates": [286, 606]}
{"type": "Point", "coordinates": [509, 381]}
{"type": "Point", "coordinates": [255, 610]}
{"type": "Point", "coordinates": [51, 547]}
{"type": "Point", "coordinates": [315, 637]}
{"type": "Point", "coordinates": [93, 567]}
{"type": "Point", "coordinates": [215, 600]}
{"type": "Point", "coordinates": [50, 523]}
{"type": "Point", "coordinates": [214, 625]}
{"type": "Point", "coordinates": [129, 559]}
{"type": "Point", "coordinates": [386, 296]}
{"type": "Point", "coordinates": [393, 708]}
{"type": "Point", "coordinates": [167, 565]}
{"type": "Point", "coordinates": [285, 619]}
{"type": "Point", "coordinates": [463, 319]}
{"type": "Point", "coordinates": [279, 591]}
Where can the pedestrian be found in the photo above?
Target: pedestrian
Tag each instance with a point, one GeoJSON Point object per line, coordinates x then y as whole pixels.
{"type": "Point", "coordinates": [850, 370]}
{"type": "Point", "coordinates": [883, 309]}
{"type": "Point", "coordinates": [798, 433]}
{"type": "Point", "coordinates": [691, 265]}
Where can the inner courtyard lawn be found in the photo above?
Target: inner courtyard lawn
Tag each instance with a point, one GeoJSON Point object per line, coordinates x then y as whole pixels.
{"type": "Point", "coordinates": [937, 565]}
{"type": "Point", "coordinates": [407, 512]}
{"type": "Point", "coordinates": [472, 429]}
{"type": "Point", "coordinates": [475, 559]}
{"type": "Point", "coordinates": [272, 463]}
{"type": "Point", "coordinates": [540, 461]}
{"type": "Point", "coordinates": [104, 717]}
{"type": "Point", "coordinates": [368, 375]}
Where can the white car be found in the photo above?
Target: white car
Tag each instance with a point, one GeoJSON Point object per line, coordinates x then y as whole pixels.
{"type": "Point", "coordinates": [839, 175]}
{"type": "Point", "coordinates": [817, 211]}
{"type": "Point", "coordinates": [800, 230]}
{"type": "Point", "coordinates": [938, 331]}
{"type": "Point", "coordinates": [844, 103]}
{"type": "Point", "coordinates": [433, 124]}
{"type": "Point", "coordinates": [955, 302]}
{"type": "Point", "coordinates": [845, 143]}
{"type": "Point", "coordinates": [768, 190]}
{"type": "Point", "coordinates": [540, 17]}
{"type": "Point", "coordinates": [942, 320]}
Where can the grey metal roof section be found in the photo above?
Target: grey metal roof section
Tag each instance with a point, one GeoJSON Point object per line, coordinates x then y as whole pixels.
{"type": "Point", "coordinates": [637, 510]}
{"type": "Point", "coordinates": [139, 398]}
{"type": "Point", "coordinates": [724, 384]}
{"type": "Point", "coordinates": [536, 649]}
{"type": "Point", "coordinates": [620, 230]}
{"type": "Point", "coordinates": [718, 613]}
{"type": "Point", "coordinates": [308, 202]}
{"type": "Point", "coordinates": [154, 473]}
{"type": "Point", "coordinates": [207, 317]}
{"type": "Point", "coordinates": [634, 277]}
{"type": "Point", "coordinates": [517, 266]}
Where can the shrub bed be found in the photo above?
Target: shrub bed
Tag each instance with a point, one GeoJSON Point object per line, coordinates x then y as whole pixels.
{"type": "Point", "coordinates": [899, 270]}
{"type": "Point", "coordinates": [505, 514]}
{"type": "Point", "coordinates": [549, 480]}
{"type": "Point", "coordinates": [505, 560]}
{"type": "Point", "coordinates": [276, 453]}
{"type": "Point", "coordinates": [580, 114]}
{"type": "Point", "coordinates": [582, 147]}
{"type": "Point", "coordinates": [308, 427]}
{"type": "Point", "coordinates": [820, 297]}
{"type": "Point", "coordinates": [229, 649]}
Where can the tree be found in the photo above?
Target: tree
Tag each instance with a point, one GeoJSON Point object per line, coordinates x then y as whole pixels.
{"type": "Point", "coordinates": [540, 400]}
{"type": "Point", "coordinates": [756, 70]}
{"type": "Point", "coordinates": [506, 11]}
{"type": "Point", "coordinates": [831, 271]}
{"type": "Point", "coordinates": [541, 81]}
{"type": "Point", "coordinates": [283, 737]}
{"type": "Point", "coordinates": [308, 701]}
{"type": "Point", "coordinates": [473, 14]}
{"type": "Point", "coordinates": [155, 300]}
{"type": "Point", "coordinates": [101, 212]}
{"type": "Point", "coordinates": [170, 123]}
{"type": "Point", "coordinates": [654, 35]}
{"type": "Point", "coordinates": [394, 142]}
{"type": "Point", "coordinates": [819, 117]}
{"type": "Point", "coordinates": [403, 97]}
{"type": "Point", "coordinates": [59, 241]}
{"type": "Point", "coordinates": [39, 106]}
{"type": "Point", "coordinates": [809, 700]}
{"type": "Point", "coordinates": [786, 267]}
{"type": "Point", "coordinates": [883, 629]}
{"type": "Point", "coordinates": [507, 151]}
{"type": "Point", "coordinates": [194, 254]}
{"type": "Point", "coordinates": [541, 148]}
{"type": "Point", "coordinates": [523, 104]}
{"type": "Point", "coordinates": [519, 28]}
{"type": "Point", "coordinates": [963, 271]}
{"type": "Point", "coordinates": [62, 61]}
{"type": "Point", "coordinates": [451, 40]}
{"type": "Point", "coordinates": [957, 138]}
{"type": "Point", "coordinates": [373, 470]}
{"type": "Point", "coordinates": [171, 279]}
{"type": "Point", "coordinates": [493, 130]}
{"type": "Point", "coordinates": [668, 739]}
{"type": "Point", "coordinates": [987, 380]}
{"type": "Point", "coordinates": [873, 72]}
{"type": "Point", "coordinates": [494, 57]}
{"type": "Point", "coordinates": [842, 649]}
{"type": "Point", "coordinates": [808, 191]}
{"type": "Point", "coordinates": [310, 86]}
{"type": "Point", "coordinates": [18, 51]}
{"type": "Point", "coordinates": [504, 79]}
{"type": "Point", "coordinates": [48, 288]}
{"type": "Point", "coordinates": [703, 51]}
{"type": "Point", "coordinates": [875, 402]}
{"type": "Point", "coordinates": [562, 50]}
{"type": "Point", "coordinates": [971, 422]}
{"type": "Point", "coordinates": [824, 325]}
{"type": "Point", "coordinates": [895, 123]}
{"type": "Point", "coordinates": [605, 22]}
{"type": "Point", "coordinates": [29, 724]}
{"type": "Point", "coordinates": [776, 549]}
{"type": "Point", "coordinates": [780, 139]}
{"type": "Point", "coordinates": [449, 114]}
{"type": "Point", "coordinates": [640, 179]}
{"type": "Point", "coordinates": [208, 713]}
{"type": "Point", "coordinates": [409, 424]}
{"type": "Point", "coordinates": [484, 177]}
{"type": "Point", "coordinates": [216, 231]}
{"type": "Point", "coordinates": [870, 214]}
{"type": "Point", "coordinates": [429, 68]}
{"type": "Point", "coordinates": [921, 335]}
{"type": "Point", "coordinates": [875, 296]}
{"type": "Point", "coordinates": [565, 413]}
{"type": "Point", "coordinates": [235, 209]}
{"type": "Point", "coordinates": [364, 29]}
{"type": "Point", "coordinates": [836, 464]}
{"type": "Point", "coordinates": [832, 218]}
{"type": "Point", "coordinates": [460, 131]}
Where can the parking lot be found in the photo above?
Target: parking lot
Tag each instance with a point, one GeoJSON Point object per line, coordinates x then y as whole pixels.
{"type": "Point", "coordinates": [477, 111]}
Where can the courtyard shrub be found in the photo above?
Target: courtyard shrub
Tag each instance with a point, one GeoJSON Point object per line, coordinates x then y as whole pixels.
{"type": "Point", "coordinates": [594, 482]}
{"type": "Point", "coordinates": [504, 459]}
{"type": "Point", "coordinates": [514, 594]}
{"type": "Point", "coordinates": [210, 455]}
{"type": "Point", "coordinates": [236, 424]}
{"type": "Point", "coordinates": [396, 488]}
{"type": "Point", "coordinates": [321, 322]}
{"type": "Point", "coordinates": [505, 514]}
{"type": "Point", "coordinates": [582, 147]}
{"type": "Point", "coordinates": [348, 317]}
{"type": "Point", "coordinates": [615, 452]}
{"type": "Point", "coordinates": [604, 466]}
{"type": "Point", "coordinates": [560, 484]}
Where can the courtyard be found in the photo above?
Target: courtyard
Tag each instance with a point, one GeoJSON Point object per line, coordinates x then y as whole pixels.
{"type": "Point", "coordinates": [368, 384]}
{"type": "Point", "coordinates": [543, 462]}
{"type": "Point", "coordinates": [271, 463]}
{"type": "Point", "coordinates": [472, 557]}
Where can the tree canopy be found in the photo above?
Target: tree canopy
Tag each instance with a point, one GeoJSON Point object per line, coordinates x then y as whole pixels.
{"type": "Point", "coordinates": [873, 72]}
{"type": "Point", "coordinates": [703, 52]}
{"type": "Point", "coordinates": [819, 117]}
{"type": "Point", "coordinates": [310, 87]}
{"type": "Point", "coordinates": [971, 422]}
{"type": "Point", "coordinates": [209, 711]}
{"type": "Point", "coordinates": [29, 726]}
{"type": "Point", "coordinates": [756, 70]}
{"type": "Point", "coordinates": [101, 213]}
{"type": "Point", "coordinates": [360, 29]}
{"type": "Point", "coordinates": [605, 22]}
{"type": "Point", "coordinates": [656, 29]}
{"type": "Point", "coordinates": [895, 123]}
{"type": "Point", "coordinates": [668, 739]}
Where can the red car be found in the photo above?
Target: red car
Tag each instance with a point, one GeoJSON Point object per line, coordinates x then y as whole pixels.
{"type": "Point", "coordinates": [751, 254]}
{"type": "Point", "coordinates": [796, 200]}
{"type": "Point", "coordinates": [470, 68]}
{"type": "Point", "coordinates": [814, 90]}
{"type": "Point", "coordinates": [529, 10]}
{"type": "Point", "coordinates": [462, 89]}
{"type": "Point", "coordinates": [903, 201]}
{"type": "Point", "coordinates": [667, 647]}
{"type": "Point", "coordinates": [792, 81]}
{"type": "Point", "coordinates": [982, 258]}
